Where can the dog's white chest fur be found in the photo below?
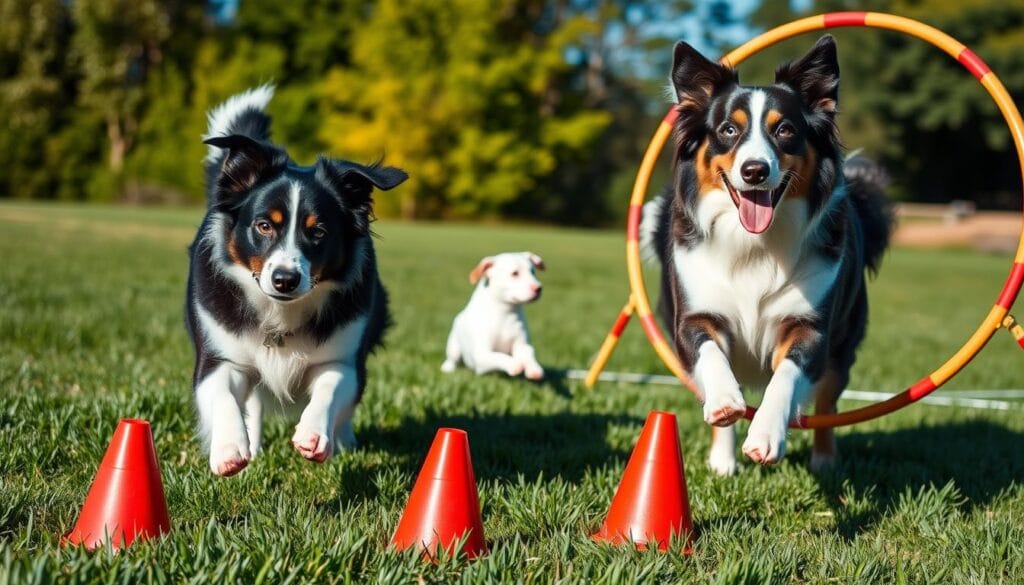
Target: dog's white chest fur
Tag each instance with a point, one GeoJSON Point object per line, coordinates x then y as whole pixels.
{"type": "Point", "coordinates": [754, 282]}
{"type": "Point", "coordinates": [282, 368]}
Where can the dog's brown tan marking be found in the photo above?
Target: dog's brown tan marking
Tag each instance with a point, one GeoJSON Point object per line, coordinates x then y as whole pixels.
{"type": "Point", "coordinates": [711, 325]}
{"type": "Point", "coordinates": [793, 332]}
{"type": "Point", "coordinates": [254, 264]}
{"type": "Point", "coordinates": [801, 167]}
{"type": "Point", "coordinates": [233, 251]}
{"type": "Point", "coordinates": [771, 118]}
{"type": "Point", "coordinates": [276, 216]}
{"type": "Point", "coordinates": [711, 169]}
{"type": "Point", "coordinates": [826, 392]}
{"type": "Point", "coordinates": [739, 117]}
{"type": "Point", "coordinates": [311, 220]}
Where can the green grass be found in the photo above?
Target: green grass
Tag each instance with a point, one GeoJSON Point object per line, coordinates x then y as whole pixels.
{"type": "Point", "coordinates": [92, 332]}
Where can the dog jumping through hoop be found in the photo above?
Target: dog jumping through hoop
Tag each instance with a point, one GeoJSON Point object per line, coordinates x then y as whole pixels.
{"type": "Point", "coordinates": [764, 240]}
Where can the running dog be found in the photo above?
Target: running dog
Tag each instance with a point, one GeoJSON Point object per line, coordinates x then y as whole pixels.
{"type": "Point", "coordinates": [284, 301]}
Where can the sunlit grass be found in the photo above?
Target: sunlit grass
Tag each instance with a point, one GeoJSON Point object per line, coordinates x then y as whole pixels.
{"type": "Point", "coordinates": [92, 332]}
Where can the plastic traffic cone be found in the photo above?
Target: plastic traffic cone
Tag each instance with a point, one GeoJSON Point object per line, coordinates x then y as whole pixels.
{"type": "Point", "coordinates": [444, 506]}
{"type": "Point", "coordinates": [126, 501]}
{"type": "Point", "coordinates": [650, 504]}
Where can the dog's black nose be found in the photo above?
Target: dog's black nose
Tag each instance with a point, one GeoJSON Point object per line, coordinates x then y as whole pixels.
{"type": "Point", "coordinates": [754, 171]}
{"type": "Point", "coordinates": [285, 280]}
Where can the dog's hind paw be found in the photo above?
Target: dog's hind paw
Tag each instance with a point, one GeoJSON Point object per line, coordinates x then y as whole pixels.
{"type": "Point", "coordinates": [722, 464]}
{"type": "Point", "coordinates": [822, 462]}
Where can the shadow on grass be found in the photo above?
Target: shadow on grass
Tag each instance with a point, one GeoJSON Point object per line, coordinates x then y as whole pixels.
{"type": "Point", "coordinates": [565, 444]}
{"type": "Point", "coordinates": [981, 458]}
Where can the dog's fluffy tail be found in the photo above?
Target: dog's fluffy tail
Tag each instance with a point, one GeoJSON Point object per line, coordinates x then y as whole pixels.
{"type": "Point", "coordinates": [867, 181]}
{"type": "Point", "coordinates": [243, 113]}
{"type": "Point", "coordinates": [654, 228]}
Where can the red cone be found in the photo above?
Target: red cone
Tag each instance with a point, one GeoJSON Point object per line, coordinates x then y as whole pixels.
{"type": "Point", "coordinates": [126, 501]}
{"type": "Point", "coordinates": [650, 504]}
{"type": "Point", "coordinates": [444, 505]}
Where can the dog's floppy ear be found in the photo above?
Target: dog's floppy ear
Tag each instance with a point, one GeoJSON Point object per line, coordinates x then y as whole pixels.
{"type": "Point", "coordinates": [381, 177]}
{"type": "Point", "coordinates": [247, 162]}
{"type": "Point", "coordinates": [815, 76]}
{"type": "Point", "coordinates": [694, 80]}
{"type": "Point", "coordinates": [354, 183]}
{"type": "Point", "coordinates": [536, 260]}
{"type": "Point", "coordinates": [481, 269]}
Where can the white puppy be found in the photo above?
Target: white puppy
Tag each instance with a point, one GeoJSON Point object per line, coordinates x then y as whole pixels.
{"type": "Point", "coordinates": [490, 333]}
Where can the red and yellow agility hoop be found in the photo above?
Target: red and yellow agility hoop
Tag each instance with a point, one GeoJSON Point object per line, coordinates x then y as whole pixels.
{"type": "Point", "coordinates": [998, 317]}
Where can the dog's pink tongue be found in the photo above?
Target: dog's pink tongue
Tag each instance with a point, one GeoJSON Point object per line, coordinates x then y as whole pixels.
{"type": "Point", "coordinates": [756, 210]}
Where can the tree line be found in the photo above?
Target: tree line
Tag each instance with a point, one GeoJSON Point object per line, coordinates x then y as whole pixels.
{"type": "Point", "coordinates": [528, 109]}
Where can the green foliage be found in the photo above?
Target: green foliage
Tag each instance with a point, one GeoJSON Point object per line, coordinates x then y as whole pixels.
{"type": "Point", "coordinates": [464, 98]}
{"type": "Point", "coordinates": [926, 495]}
{"type": "Point", "coordinates": [497, 108]}
{"type": "Point", "coordinates": [31, 77]}
{"type": "Point", "coordinates": [518, 109]}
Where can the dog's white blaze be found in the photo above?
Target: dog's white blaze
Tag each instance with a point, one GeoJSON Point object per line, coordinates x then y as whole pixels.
{"type": "Point", "coordinates": [756, 146]}
{"type": "Point", "coordinates": [220, 119]}
{"type": "Point", "coordinates": [288, 255]}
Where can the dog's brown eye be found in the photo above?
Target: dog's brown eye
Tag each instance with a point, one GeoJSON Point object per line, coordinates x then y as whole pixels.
{"type": "Point", "coordinates": [728, 129]}
{"type": "Point", "coordinates": [264, 227]}
{"type": "Point", "coordinates": [515, 274]}
{"type": "Point", "coordinates": [319, 233]}
{"type": "Point", "coordinates": [784, 131]}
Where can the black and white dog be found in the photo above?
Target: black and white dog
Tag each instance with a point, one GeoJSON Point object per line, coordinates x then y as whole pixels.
{"type": "Point", "coordinates": [764, 242]}
{"type": "Point", "coordinates": [284, 299]}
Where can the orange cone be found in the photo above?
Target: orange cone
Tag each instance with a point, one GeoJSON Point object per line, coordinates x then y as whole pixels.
{"type": "Point", "coordinates": [650, 504]}
{"type": "Point", "coordinates": [126, 501]}
{"type": "Point", "coordinates": [444, 506]}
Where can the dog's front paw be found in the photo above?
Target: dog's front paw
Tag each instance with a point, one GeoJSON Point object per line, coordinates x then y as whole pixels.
{"type": "Point", "coordinates": [228, 459]}
{"type": "Point", "coordinates": [448, 366]}
{"type": "Point", "coordinates": [534, 371]}
{"type": "Point", "coordinates": [724, 408]}
{"type": "Point", "coordinates": [766, 443]}
{"type": "Point", "coordinates": [513, 368]}
{"type": "Point", "coordinates": [312, 445]}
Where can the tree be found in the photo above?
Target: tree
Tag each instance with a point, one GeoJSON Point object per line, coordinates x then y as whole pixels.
{"type": "Point", "coordinates": [32, 73]}
{"type": "Point", "coordinates": [464, 95]}
{"type": "Point", "coordinates": [116, 43]}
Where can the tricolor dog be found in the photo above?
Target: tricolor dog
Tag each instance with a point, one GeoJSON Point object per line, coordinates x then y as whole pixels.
{"type": "Point", "coordinates": [764, 242]}
{"type": "Point", "coordinates": [284, 302]}
{"type": "Point", "coordinates": [490, 333]}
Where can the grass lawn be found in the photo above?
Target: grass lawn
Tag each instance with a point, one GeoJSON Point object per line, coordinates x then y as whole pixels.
{"type": "Point", "coordinates": [92, 332]}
